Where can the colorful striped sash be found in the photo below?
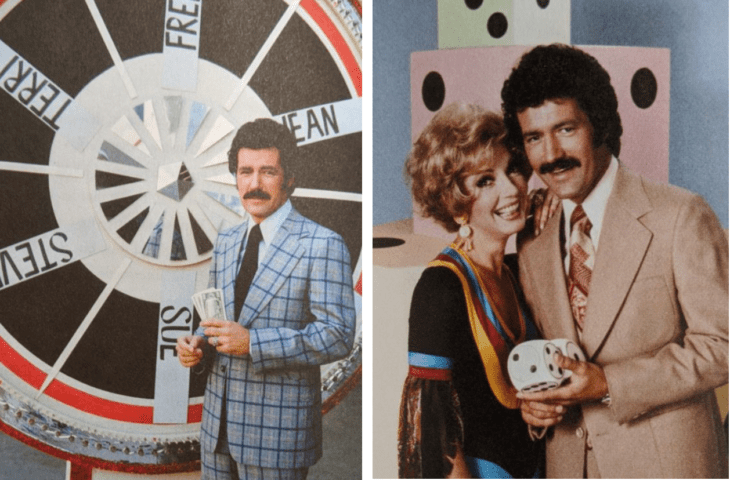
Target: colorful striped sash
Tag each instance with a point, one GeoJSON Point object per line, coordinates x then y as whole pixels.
{"type": "Point", "coordinates": [490, 334]}
{"type": "Point", "coordinates": [430, 367]}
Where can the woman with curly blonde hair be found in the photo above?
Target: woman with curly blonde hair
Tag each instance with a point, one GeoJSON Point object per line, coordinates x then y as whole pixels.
{"type": "Point", "coordinates": [459, 414]}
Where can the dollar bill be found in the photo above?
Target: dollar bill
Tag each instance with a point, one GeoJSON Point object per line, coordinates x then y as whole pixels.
{"type": "Point", "coordinates": [209, 304]}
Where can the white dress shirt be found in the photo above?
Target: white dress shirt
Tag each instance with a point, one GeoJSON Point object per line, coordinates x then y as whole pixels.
{"type": "Point", "coordinates": [594, 205]}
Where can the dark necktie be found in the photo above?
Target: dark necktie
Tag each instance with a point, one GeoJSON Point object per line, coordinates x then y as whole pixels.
{"type": "Point", "coordinates": [582, 256]}
{"type": "Point", "coordinates": [248, 269]}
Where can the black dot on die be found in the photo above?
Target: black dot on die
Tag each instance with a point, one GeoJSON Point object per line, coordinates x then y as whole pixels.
{"type": "Point", "coordinates": [533, 369]}
{"type": "Point", "coordinates": [497, 25]}
{"type": "Point", "coordinates": [473, 4]}
{"type": "Point", "coordinates": [543, 3]}
{"type": "Point", "coordinates": [551, 367]}
{"type": "Point", "coordinates": [643, 88]}
{"type": "Point", "coordinates": [516, 357]}
{"type": "Point", "coordinates": [433, 91]}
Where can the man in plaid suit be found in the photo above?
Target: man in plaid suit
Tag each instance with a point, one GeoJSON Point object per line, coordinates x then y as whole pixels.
{"type": "Point", "coordinates": [262, 408]}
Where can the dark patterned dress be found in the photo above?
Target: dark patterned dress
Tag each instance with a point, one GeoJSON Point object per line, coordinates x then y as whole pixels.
{"type": "Point", "coordinates": [456, 393]}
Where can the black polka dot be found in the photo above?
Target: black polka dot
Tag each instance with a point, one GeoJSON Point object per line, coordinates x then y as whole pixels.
{"type": "Point", "coordinates": [386, 242]}
{"type": "Point", "coordinates": [433, 91]}
{"type": "Point", "coordinates": [543, 3]}
{"type": "Point", "coordinates": [497, 25]}
{"type": "Point", "coordinates": [473, 4]}
{"type": "Point", "coordinates": [643, 88]}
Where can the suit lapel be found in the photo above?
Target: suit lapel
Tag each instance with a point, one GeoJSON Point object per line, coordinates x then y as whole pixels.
{"type": "Point", "coordinates": [230, 268]}
{"type": "Point", "coordinates": [623, 244]}
{"type": "Point", "coordinates": [548, 273]}
{"type": "Point", "coordinates": [281, 257]}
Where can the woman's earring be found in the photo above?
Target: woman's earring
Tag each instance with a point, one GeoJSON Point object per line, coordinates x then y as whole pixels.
{"type": "Point", "coordinates": [463, 241]}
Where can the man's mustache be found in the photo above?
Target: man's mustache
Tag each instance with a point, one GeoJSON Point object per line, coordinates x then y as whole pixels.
{"type": "Point", "coordinates": [559, 164]}
{"type": "Point", "coordinates": [257, 194]}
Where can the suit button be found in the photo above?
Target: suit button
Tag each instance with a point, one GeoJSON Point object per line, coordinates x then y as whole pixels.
{"type": "Point", "coordinates": [579, 432]}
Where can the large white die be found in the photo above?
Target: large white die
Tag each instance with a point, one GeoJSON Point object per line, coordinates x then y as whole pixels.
{"type": "Point", "coordinates": [532, 368]}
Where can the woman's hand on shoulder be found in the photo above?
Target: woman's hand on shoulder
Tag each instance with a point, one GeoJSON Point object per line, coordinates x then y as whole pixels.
{"type": "Point", "coordinates": [543, 205]}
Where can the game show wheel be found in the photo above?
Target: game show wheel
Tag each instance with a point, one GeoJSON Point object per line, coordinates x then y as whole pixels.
{"type": "Point", "coordinates": [114, 183]}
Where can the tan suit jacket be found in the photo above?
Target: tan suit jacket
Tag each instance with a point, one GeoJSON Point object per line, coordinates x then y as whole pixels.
{"type": "Point", "coordinates": [656, 321]}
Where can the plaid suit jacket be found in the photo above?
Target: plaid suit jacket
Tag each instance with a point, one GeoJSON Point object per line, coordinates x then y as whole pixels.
{"type": "Point", "coordinates": [300, 312]}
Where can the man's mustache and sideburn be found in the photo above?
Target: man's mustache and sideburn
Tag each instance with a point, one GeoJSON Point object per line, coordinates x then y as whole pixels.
{"type": "Point", "coordinates": [563, 163]}
{"type": "Point", "coordinates": [257, 194]}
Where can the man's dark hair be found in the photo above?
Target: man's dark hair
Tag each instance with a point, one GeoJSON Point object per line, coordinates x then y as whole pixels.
{"type": "Point", "coordinates": [560, 71]}
{"type": "Point", "coordinates": [265, 133]}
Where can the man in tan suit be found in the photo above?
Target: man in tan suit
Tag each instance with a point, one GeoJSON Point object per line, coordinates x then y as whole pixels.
{"type": "Point", "coordinates": [634, 272]}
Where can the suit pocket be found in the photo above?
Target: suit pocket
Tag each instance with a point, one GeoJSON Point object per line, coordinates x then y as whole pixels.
{"type": "Point", "coordinates": [290, 390]}
{"type": "Point", "coordinates": [648, 319]}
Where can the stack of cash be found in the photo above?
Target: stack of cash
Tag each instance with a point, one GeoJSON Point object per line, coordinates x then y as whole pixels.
{"type": "Point", "coordinates": [209, 304]}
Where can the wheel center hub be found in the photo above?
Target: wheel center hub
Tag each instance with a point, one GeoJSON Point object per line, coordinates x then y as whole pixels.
{"type": "Point", "coordinates": [174, 180]}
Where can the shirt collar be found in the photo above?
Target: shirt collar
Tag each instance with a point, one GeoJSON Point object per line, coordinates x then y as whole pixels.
{"type": "Point", "coordinates": [271, 224]}
{"type": "Point", "coordinates": [595, 203]}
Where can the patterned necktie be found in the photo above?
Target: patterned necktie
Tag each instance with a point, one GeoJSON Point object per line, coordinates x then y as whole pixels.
{"type": "Point", "coordinates": [582, 257]}
{"type": "Point", "coordinates": [248, 269]}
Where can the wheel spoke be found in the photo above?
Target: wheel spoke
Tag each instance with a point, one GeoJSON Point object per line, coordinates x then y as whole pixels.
{"type": "Point", "coordinates": [186, 233]}
{"type": "Point", "coordinates": [90, 316]}
{"type": "Point", "coordinates": [203, 222]}
{"type": "Point", "coordinates": [129, 213]}
{"type": "Point", "coordinates": [147, 114]}
{"type": "Point", "coordinates": [131, 134]}
{"type": "Point", "coordinates": [172, 114]}
{"type": "Point", "coordinates": [215, 156]}
{"type": "Point", "coordinates": [145, 230]}
{"type": "Point", "coordinates": [167, 236]}
{"type": "Point", "coordinates": [123, 153]}
{"type": "Point", "coordinates": [116, 58]}
{"type": "Point", "coordinates": [196, 117]}
{"type": "Point", "coordinates": [263, 51]}
{"type": "Point", "coordinates": [122, 191]}
{"type": "Point", "coordinates": [41, 169]}
{"type": "Point", "coordinates": [121, 169]}
{"type": "Point", "coordinates": [218, 130]}
{"type": "Point", "coordinates": [180, 135]}
{"type": "Point", "coordinates": [328, 194]}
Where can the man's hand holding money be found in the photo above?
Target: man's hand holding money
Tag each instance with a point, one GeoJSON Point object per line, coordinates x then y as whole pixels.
{"type": "Point", "coordinates": [227, 337]}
